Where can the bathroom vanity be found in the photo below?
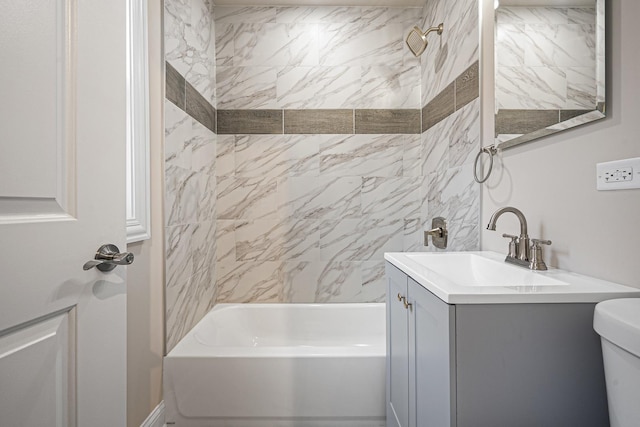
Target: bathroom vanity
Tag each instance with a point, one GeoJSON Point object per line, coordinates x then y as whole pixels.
{"type": "Point", "coordinates": [473, 342]}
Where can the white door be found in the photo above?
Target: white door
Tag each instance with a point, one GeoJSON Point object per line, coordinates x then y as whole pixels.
{"type": "Point", "coordinates": [62, 195]}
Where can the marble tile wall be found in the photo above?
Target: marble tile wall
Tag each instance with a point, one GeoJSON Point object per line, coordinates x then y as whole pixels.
{"type": "Point", "coordinates": [190, 162]}
{"type": "Point", "coordinates": [189, 43]}
{"type": "Point", "coordinates": [315, 57]}
{"type": "Point", "coordinates": [449, 54]}
{"type": "Point", "coordinates": [451, 122]}
{"type": "Point", "coordinates": [546, 58]}
{"type": "Point", "coordinates": [307, 218]}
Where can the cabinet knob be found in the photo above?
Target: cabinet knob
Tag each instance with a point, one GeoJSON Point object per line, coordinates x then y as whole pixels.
{"type": "Point", "coordinates": [400, 297]}
{"type": "Point", "coordinates": [407, 305]}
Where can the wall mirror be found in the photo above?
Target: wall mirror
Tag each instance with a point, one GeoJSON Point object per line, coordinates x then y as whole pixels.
{"type": "Point", "coordinates": [548, 66]}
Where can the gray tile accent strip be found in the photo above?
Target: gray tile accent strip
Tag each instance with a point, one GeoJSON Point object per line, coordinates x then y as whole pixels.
{"type": "Point", "coordinates": [439, 108]}
{"type": "Point", "coordinates": [188, 99]}
{"type": "Point", "coordinates": [318, 121]}
{"type": "Point", "coordinates": [467, 86]}
{"type": "Point", "coordinates": [175, 86]}
{"type": "Point", "coordinates": [570, 114]}
{"type": "Point", "coordinates": [524, 121]}
{"type": "Point", "coordinates": [387, 121]}
{"type": "Point", "coordinates": [199, 108]}
{"type": "Point", "coordinates": [464, 89]}
{"type": "Point", "coordinates": [232, 122]}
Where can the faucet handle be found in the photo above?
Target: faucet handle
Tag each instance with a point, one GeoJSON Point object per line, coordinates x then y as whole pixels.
{"type": "Point", "coordinates": [538, 242]}
{"type": "Point", "coordinates": [513, 245]}
{"type": "Point", "coordinates": [537, 263]}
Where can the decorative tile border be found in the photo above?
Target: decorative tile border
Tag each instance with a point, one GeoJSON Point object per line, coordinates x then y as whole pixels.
{"type": "Point", "coordinates": [514, 122]}
{"type": "Point", "coordinates": [175, 86]}
{"type": "Point", "coordinates": [318, 121]}
{"type": "Point", "coordinates": [468, 86]}
{"type": "Point", "coordinates": [232, 122]}
{"type": "Point", "coordinates": [199, 108]}
{"type": "Point", "coordinates": [387, 121]}
{"type": "Point", "coordinates": [439, 108]}
{"type": "Point", "coordinates": [464, 89]}
{"type": "Point", "coordinates": [188, 99]}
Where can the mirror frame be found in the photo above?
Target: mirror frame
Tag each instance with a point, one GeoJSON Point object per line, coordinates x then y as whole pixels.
{"type": "Point", "coordinates": [487, 85]}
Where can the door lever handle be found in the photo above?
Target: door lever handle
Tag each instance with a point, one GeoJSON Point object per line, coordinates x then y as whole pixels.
{"type": "Point", "coordinates": [108, 257]}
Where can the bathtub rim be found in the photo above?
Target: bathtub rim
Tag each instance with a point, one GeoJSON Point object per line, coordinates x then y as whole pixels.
{"type": "Point", "coordinates": [191, 347]}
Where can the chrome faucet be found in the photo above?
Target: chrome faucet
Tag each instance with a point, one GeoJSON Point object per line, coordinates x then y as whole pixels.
{"type": "Point", "coordinates": [519, 251]}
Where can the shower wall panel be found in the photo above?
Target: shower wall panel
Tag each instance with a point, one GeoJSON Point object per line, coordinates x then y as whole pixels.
{"type": "Point", "coordinates": [190, 156]}
{"type": "Point", "coordinates": [315, 57]}
{"type": "Point", "coordinates": [451, 122]}
{"type": "Point", "coordinates": [307, 218]}
{"type": "Point", "coordinates": [455, 50]}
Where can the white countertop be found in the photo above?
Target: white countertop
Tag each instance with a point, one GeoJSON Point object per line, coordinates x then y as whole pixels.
{"type": "Point", "coordinates": [458, 283]}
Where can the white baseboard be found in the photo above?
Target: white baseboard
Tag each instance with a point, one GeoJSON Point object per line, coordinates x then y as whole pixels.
{"type": "Point", "coordinates": [156, 417]}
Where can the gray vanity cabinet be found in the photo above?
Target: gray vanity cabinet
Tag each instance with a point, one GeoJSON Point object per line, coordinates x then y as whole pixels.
{"type": "Point", "coordinates": [420, 375]}
{"type": "Point", "coordinates": [490, 365]}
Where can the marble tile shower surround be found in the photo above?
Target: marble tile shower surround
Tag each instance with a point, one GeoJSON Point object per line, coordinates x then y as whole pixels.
{"type": "Point", "coordinates": [190, 154]}
{"type": "Point", "coordinates": [307, 218]}
{"type": "Point", "coordinates": [189, 43]}
{"type": "Point", "coordinates": [546, 58]}
{"type": "Point", "coordinates": [448, 147]}
{"type": "Point", "coordinates": [190, 228]}
{"type": "Point", "coordinates": [448, 55]}
{"type": "Point", "coordinates": [315, 58]}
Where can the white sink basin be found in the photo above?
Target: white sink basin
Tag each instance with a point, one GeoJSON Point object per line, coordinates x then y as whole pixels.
{"type": "Point", "coordinates": [468, 269]}
{"type": "Point", "coordinates": [484, 278]}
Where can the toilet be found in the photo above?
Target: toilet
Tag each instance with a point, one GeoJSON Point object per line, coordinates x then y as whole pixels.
{"type": "Point", "coordinates": [618, 324]}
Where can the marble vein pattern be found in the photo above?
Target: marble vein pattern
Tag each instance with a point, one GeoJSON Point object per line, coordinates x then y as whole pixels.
{"type": "Point", "coordinates": [448, 55]}
{"type": "Point", "coordinates": [190, 226]}
{"type": "Point", "coordinates": [361, 155]}
{"type": "Point", "coordinates": [546, 58]}
{"type": "Point", "coordinates": [189, 38]}
{"type": "Point", "coordinates": [278, 155]}
{"type": "Point", "coordinates": [449, 190]}
{"type": "Point", "coordinates": [315, 57]}
{"type": "Point", "coordinates": [309, 225]}
{"type": "Point", "coordinates": [307, 218]}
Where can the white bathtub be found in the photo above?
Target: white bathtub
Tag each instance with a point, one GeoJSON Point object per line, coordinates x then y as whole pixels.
{"type": "Point", "coordinates": [280, 365]}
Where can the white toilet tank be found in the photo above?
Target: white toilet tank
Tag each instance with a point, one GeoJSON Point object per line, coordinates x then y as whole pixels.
{"type": "Point", "coordinates": [618, 323]}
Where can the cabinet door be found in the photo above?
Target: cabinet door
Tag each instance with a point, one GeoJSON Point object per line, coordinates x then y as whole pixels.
{"type": "Point", "coordinates": [397, 350]}
{"type": "Point", "coordinates": [431, 359]}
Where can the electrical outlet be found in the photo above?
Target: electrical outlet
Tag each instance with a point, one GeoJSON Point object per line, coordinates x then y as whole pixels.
{"type": "Point", "coordinates": [618, 175]}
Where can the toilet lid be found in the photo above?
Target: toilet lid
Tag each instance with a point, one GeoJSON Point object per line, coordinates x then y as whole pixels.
{"type": "Point", "coordinates": [618, 321]}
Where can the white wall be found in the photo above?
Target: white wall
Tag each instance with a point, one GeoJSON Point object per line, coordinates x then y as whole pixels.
{"type": "Point", "coordinates": [553, 180]}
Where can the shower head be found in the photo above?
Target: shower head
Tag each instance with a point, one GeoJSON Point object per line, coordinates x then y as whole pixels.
{"type": "Point", "coordinates": [417, 40]}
